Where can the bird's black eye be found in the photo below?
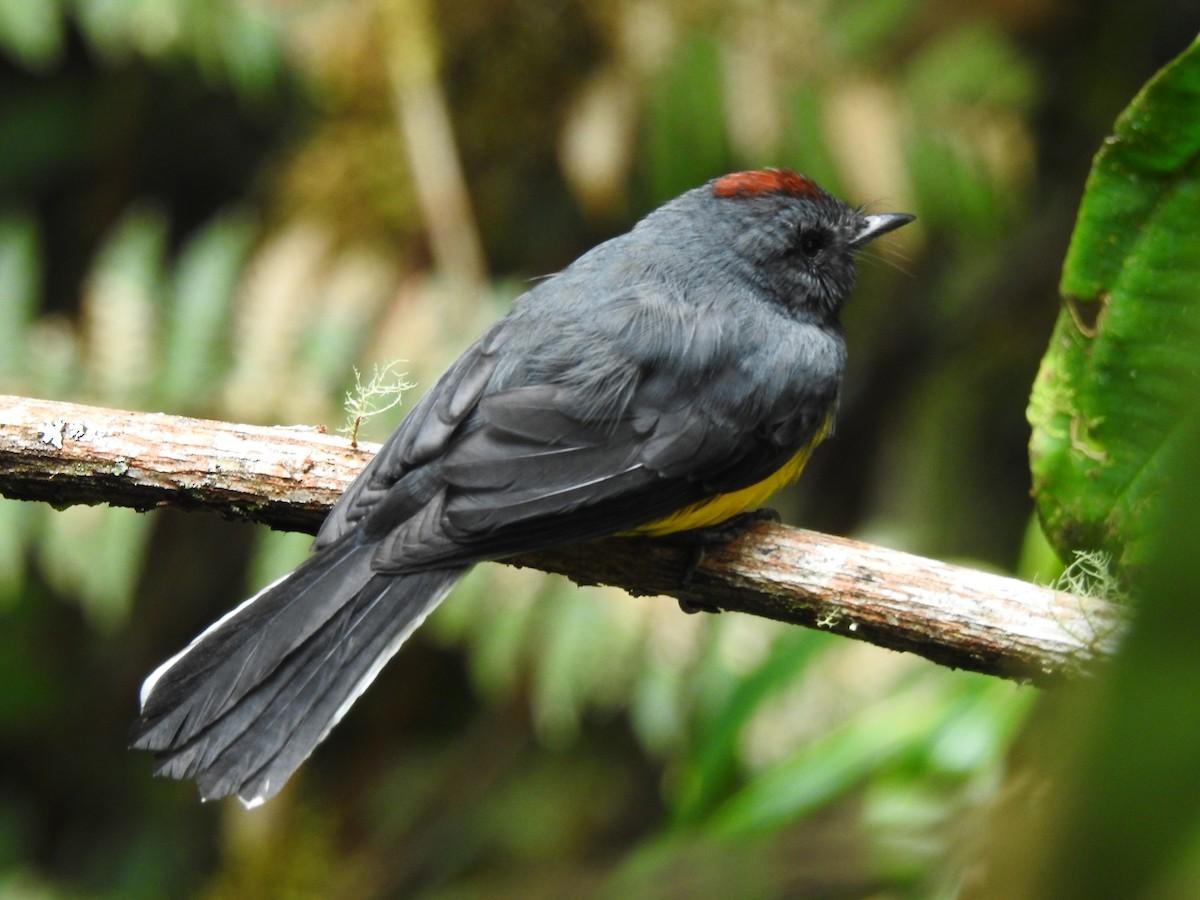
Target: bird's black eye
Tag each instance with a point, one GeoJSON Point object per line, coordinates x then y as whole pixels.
{"type": "Point", "coordinates": [812, 241]}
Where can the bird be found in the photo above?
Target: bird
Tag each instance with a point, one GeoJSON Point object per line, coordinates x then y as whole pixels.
{"type": "Point", "coordinates": [666, 381]}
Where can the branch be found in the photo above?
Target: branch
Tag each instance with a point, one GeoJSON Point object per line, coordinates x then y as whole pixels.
{"type": "Point", "coordinates": [288, 478]}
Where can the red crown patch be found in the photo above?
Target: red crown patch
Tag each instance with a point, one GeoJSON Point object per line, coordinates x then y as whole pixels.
{"type": "Point", "coordinates": [764, 181]}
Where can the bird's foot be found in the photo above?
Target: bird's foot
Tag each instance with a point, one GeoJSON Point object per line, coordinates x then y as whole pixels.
{"type": "Point", "coordinates": [700, 539]}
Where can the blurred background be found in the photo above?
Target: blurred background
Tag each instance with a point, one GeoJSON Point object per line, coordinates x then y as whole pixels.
{"type": "Point", "coordinates": [223, 208]}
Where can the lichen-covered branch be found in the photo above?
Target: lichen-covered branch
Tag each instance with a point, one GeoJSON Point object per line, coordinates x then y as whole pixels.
{"type": "Point", "coordinates": [287, 478]}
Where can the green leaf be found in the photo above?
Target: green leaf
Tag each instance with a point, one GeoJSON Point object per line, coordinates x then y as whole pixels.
{"type": "Point", "coordinates": [686, 141]}
{"type": "Point", "coordinates": [864, 30]}
{"type": "Point", "coordinates": [19, 289]}
{"type": "Point", "coordinates": [103, 583]}
{"type": "Point", "coordinates": [120, 308]}
{"type": "Point", "coordinates": [201, 296]}
{"type": "Point", "coordinates": [712, 761]}
{"type": "Point", "coordinates": [1115, 385]}
{"type": "Point", "coordinates": [1134, 798]}
{"type": "Point", "coordinates": [837, 761]}
{"type": "Point", "coordinates": [32, 33]}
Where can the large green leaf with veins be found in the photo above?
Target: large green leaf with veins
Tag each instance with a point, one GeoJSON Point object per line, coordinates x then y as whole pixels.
{"type": "Point", "coordinates": [1122, 373]}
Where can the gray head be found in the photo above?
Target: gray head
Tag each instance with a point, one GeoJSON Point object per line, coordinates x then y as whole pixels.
{"type": "Point", "coordinates": [785, 234]}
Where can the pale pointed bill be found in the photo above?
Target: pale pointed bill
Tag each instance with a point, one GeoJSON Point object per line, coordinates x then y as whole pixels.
{"type": "Point", "coordinates": [878, 225]}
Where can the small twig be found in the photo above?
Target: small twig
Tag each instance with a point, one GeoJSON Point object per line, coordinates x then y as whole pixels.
{"type": "Point", "coordinates": [288, 478]}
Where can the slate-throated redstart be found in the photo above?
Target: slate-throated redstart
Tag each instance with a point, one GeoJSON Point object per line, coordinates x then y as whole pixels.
{"type": "Point", "coordinates": [667, 380]}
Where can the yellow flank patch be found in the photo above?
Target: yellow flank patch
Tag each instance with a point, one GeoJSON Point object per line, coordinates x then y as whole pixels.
{"type": "Point", "coordinates": [716, 510]}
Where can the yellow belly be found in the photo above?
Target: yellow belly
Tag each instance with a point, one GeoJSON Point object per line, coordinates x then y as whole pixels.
{"type": "Point", "coordinates": [717, 509]}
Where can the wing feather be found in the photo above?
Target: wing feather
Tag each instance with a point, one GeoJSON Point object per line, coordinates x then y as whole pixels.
{"type": "Point", "coordinates": [420, 439]}
{"type": "Point", "coordinates": [550, 432]}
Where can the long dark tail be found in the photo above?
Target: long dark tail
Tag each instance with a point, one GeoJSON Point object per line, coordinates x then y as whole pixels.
{"type": "Point", "coordinates": [246, 702]}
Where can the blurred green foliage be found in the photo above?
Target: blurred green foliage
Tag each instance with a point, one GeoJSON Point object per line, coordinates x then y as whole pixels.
{"type": "Point", "coordinates": [216, 209]}
{"type": "Point", "coordinates": [1115, 443]}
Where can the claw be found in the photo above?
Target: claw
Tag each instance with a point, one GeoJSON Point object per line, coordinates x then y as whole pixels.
{"type": "Point", "coordinates": [700, 539]}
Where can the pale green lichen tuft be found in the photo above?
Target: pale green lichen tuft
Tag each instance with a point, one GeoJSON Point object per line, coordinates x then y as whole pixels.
{"type": "Point", "coordinates": [1090, 574]}
{"type": "Point", "coordinates": [384, 391]}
